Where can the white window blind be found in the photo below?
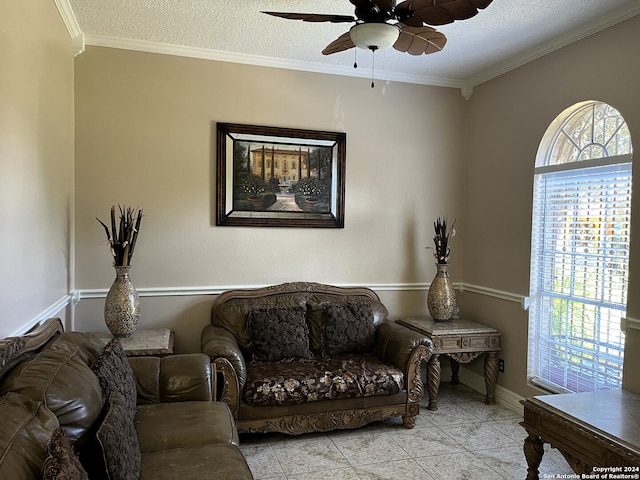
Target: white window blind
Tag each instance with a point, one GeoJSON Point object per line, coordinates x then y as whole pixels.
{"type": "Point", "coordinates": [579, 270]}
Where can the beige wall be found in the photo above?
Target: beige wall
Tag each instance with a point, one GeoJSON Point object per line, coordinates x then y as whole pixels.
{"type": "Point", "coordinates": [507, 119]}
{"type": "Point", "coordinates": [36, 161]}
{"type": "Point", "coordinates": [145, 136]}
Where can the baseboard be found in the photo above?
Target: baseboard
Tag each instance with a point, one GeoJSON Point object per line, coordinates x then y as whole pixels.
{"type": "Point", "coordinates": [504, 397]}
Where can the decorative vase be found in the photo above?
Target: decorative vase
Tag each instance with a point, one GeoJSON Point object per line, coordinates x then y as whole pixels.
{"type": "Point", "coordinates": [441, 298]}
{"type": "Point", "coordinates": [122, 305]}
{"type": "Point", "coordinates": [256, 202]}
{"type": "Point", "coordinates": [310, 204]}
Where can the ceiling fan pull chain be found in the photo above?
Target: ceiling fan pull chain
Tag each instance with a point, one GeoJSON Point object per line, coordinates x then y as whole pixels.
{"type": "Point", "coordinates": [355, 53]}
{"type": "Point", "coordinates": [373, 63]}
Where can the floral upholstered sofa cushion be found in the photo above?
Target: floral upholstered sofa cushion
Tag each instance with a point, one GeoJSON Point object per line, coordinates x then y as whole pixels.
{"type": "Point", "coordinates": [320, 378]}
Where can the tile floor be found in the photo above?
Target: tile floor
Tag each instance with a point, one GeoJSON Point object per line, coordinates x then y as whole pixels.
{"type": "Point", "coordinates": [464, 440]}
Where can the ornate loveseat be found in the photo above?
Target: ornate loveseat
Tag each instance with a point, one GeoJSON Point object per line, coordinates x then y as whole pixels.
{"type": "Point", "coordinates": [301, 357]}
{"type": "Point", "coordinates": [74, 408]}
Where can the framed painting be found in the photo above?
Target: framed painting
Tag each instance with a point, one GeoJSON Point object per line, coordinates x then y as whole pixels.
{"type": "Point", "coordinates": [279, 177]}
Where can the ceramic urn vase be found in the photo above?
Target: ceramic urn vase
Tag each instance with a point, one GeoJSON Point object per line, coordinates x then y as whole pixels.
{"type": "Point", "coordinates": [122, 305]}
{"type": "Point", "coordinates": [441, 297]}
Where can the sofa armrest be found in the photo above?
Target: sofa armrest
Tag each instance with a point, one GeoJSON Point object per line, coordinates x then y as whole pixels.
{"type": "Point", "coordinates": [396, 343]}
{"type": "Point", "coordinates": [175, 378]}
{"type": "Point", "coordinates": [407, 350]}
{"type": "Point", "coordinates": [220, 343]}
{"type": "Point", "coordinates": [228, 365]}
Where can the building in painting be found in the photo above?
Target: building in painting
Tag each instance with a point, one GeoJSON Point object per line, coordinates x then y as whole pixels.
{"type": "Point", "coordinates": [287, 164]}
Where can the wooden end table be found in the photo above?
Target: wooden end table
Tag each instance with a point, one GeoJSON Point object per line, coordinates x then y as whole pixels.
{"type": "Point", "coordinates": [462, 341]}
{"type": "Point", "coordinates": [596, 432]}
{"type": "Point", "coordinates": [152, 342]}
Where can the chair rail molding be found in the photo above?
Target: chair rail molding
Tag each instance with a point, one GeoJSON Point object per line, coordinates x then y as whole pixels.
{"type": "Point", "coordinates": [492, 292]}
{"type": "Point", "coordinates": [380, 287]}
{"type": "Point", "coordinates": [53, 311]}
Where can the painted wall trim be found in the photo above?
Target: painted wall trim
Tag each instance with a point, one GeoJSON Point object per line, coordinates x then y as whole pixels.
{"type": "Point", "coordinates": [596, 26]}
{"type": "Point", "coordinates": [504, 397]}
{"type": "Point", "coordinates": [53, 311]}
{"type": "Point", "coordinates": [465, 85]}
{"type": "Point", "coordinates": [492, 292]}
{"type": "Point", "coordinates": [70, 21]}
{"type": "Point", "coordinates": [262, 61]}
{"type": "Point", "coordinates": [380, 287]}
{"type": "Point", "coordinates": [76, 296]}
{"type": "Point", "coordinates": [218, 289]}
{"type": "Point", "coordinates": [629, 323]}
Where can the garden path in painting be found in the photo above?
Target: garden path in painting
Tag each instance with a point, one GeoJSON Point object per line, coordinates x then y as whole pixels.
{"type": "Point", "coordinates": [285, 203]}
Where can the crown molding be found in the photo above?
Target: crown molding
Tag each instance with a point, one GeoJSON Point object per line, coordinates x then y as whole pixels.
{"type": "Point", "coordinates": [261, 61]}
{"type": "Point", "coordinates": [603, 23]}
{"type": "Point", "coordinates": [70, 21]}
{"type": "Point", "coordinates": [465, 85]}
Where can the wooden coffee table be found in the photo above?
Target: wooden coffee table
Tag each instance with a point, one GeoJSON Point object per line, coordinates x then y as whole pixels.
{"type": "Point", "coordinates": [596, 432]}
{"type": "Point", "coordinates": [462, 341]}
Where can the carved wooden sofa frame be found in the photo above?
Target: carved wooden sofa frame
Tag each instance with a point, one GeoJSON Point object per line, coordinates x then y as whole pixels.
{"type": "Point", "coordinates": [395, 344]}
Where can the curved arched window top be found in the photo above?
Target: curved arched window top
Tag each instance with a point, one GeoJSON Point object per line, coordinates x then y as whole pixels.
{"type": "Point", "coordinates": [586, 131]}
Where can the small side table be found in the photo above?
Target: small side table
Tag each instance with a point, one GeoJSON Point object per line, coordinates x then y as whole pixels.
{"type": "Point", "coordinates": [153, 342]}
{"type": "Point", "coordinates": [462, 341]}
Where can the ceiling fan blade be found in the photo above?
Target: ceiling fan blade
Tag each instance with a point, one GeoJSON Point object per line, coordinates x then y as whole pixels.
{"type": "Point", "coordinates": [313, 17]}
{"type": "Point", "coordinates": [481, 4]}
{"type": "Point", "coordinates": [340, 44]}
{"type": "Point", "coordinates": [405, 15]}
{"type": "Point", "coordinates": [441, 12]}
{"type": "Point", "coordinates": [382, 4]}
{"type": "Point", "coordinates": [419, 40]}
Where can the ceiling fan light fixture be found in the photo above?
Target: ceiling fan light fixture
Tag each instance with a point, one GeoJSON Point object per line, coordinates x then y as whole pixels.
{"type": "Point", "coordinates": [374, 36]}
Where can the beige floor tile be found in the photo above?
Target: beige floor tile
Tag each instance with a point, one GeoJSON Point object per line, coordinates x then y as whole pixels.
{"type": "Point", "coordinates": [450, 414]}
{"type": "Point", "coordinates": [333, 474]}
{"type": "Point", "coordinates": [425, 441]}
{"type": "Point", "coordinates": [396, 470]}
{"type": "Point", "coordinates": [464, 439]}
{"type": "Point", "coordinates": [459, 466]}
{"type": "Point", "coordinates": [262, 461]}
{"type": "Point", "coordinates": [368, 447]}
{"type": "Point", "coordinates": [478, 436]}
{"type": "Point", "coordinates": [309, 456]}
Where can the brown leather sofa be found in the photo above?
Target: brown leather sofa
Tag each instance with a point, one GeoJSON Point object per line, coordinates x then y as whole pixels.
{"type": "Point", "coordinates": [72, 407]}
{"type": "Point", "coordinates": [302, 357]}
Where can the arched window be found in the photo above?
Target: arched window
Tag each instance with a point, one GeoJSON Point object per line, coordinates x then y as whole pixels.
{"type": "Point", "coordinates": [580, 251]}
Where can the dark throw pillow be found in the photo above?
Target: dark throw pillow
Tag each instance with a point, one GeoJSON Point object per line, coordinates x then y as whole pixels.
{"type": "Point", "coordinates": [347, 328]}
{"type": "Point", "coordinates": [61, 462]}
{"type": "Point", "coordinates": [279, 333]}
{"type": "Point", "coordinates": [119, 442]}
{"type": "Point", "coordinates": [115, 375]}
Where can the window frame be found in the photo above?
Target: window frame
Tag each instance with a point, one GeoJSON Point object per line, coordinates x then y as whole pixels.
{"type": "Point", "coordinates": [544, 172]}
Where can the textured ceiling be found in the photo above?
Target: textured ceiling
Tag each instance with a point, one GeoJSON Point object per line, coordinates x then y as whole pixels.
{"type": "Point", "coordinates": [506, 34]}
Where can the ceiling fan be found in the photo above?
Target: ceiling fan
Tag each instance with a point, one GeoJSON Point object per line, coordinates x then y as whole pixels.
{"type": "Point", "coordinates": [411, 33]}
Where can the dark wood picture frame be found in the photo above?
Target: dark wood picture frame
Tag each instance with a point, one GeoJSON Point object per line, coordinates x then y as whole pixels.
{"type": "Point", "coordinates": [279, 177]}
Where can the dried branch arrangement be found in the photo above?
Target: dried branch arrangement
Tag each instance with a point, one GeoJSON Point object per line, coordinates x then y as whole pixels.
{"type": "Point", "coordinates": [122, 240]}
{"type": "Point", "coordinates": [441, 239]}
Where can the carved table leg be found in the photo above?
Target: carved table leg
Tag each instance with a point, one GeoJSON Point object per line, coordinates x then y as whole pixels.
{"type": "Point", "coordinates": [490, 376]}
{"type": "Point", "coordinates": [533, 451]}
{"type": "Point", "coordinates": [433, 381]}
{"type": "Point", "coordinates": [455, 368]}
